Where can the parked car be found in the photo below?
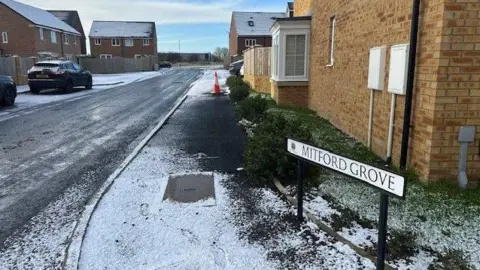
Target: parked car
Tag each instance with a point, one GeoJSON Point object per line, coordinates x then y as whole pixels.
{"type": "Point", "coordinates": [242, 71]}
{"type": "Point", "coordinates": [58, 74]}
{"type": "Point", "coordinates": [235, 67]}
{"type": "Point", "coordinates": [8, 91]}
{"type": "Point", "coordinates": [165, 64]}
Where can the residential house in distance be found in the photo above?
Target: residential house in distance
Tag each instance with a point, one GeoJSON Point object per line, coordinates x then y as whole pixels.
{"type": "Point", "coordinates": [72, 18]}
{"type": "Point", "coordinates": [110, 39]}
{"type": "Point", "coordinates": [248, 29]}
{"type": "Point", "coordinates": [348, 60]}
{"type": "Point", "coordinates": [30, 31]}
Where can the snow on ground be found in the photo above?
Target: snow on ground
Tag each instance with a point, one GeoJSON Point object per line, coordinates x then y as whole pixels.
{"type": "Point", "coordinates": [440, 223]}
{"type": "Point", "coordinates": [134, 228]}
{"type": "Point", "coordinates": [205, 85]}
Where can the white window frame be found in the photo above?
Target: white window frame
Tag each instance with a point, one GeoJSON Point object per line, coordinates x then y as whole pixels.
{"type": "Point", "coordinates": [65, 39]}
{"type": "Point", "coordinates": [97, 41]}
{"type": "Point", "coordinates": [116, 44]}
{"type": "Point", "coordinates": [75, 40]}
{"type": "Point", "coordinates": [281, 31]}
{"type": "Point", "coordinates": [275, 55]}
{"type": "Point", "coordinates": [53, 36]}
{"type": "Point", "coordinates": [304, 59]}
{"type": "Point", "coordinates": [250, 42]}
{"type": "Point", "coordinates": [106, 56]}
{"type": "Point", "coordinates": [4, 37]}
{"type": "Point", "coordinates": [138, 56]}
{"type": "Point", "coordinates": [42, 34]}
{"type": "Point", "coordinates": [146, 42]}
{"type": "Point", "coordinates": [333, 21]}
{"type": "Point", "coordinates": [129, 42]}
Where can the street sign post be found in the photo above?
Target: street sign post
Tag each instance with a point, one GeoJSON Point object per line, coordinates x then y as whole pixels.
{"type": "Point", "coordinates": [389, 183]}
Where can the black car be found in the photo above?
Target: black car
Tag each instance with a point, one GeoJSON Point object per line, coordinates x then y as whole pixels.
{"type": "Point", "coordinates": [8, 91]}
{"type": "Point", "coordinates": [165, 64]}
{"type": "Point", "coordinates": [235, 68]}
{"type": "Point", "coordinates": [58, 74]}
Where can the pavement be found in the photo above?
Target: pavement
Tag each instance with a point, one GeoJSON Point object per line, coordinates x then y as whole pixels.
{"type": "Point", "coordinates": [183, 203]}
{"type": "Point", "coordinates": [56, 154]}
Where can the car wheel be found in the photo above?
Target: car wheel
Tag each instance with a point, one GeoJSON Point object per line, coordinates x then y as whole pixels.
{"type": "Point", "coordinates": [9, 97]}
{"type": "Point", "coordinates": [89, 83]}
{"type": "Point", "coordinates": [34, 90]}
{"type": "Point", "coordinates": [68, 87]}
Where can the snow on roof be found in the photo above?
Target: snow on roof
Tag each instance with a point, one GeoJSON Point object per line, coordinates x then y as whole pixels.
{"type": "Point", "coordinates": [121, 29]}
{"type": "Point", "coordinates": [38, 16]}
{"type": "Point", "coordinates": [262, 22]}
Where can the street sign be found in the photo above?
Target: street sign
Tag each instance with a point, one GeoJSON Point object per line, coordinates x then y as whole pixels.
{"type": "Point", "coordinates": [387, 182]}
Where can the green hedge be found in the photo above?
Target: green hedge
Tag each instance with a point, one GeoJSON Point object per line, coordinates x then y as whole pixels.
{"type": "Point", "coordinates": [253, 108]}
{"type": "Point", "coordinates": [239, 92]}
{"type": "Point", "coordinates": [233, 81]}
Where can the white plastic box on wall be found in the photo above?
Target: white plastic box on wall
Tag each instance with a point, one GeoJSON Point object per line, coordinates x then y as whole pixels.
{"type": "Point", "coordinates": [397, 77]}
{"type": "Point", "coordinates": [376, 68]}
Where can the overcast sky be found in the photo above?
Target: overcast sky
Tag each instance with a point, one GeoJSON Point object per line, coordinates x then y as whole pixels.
{"type": "Point", "coordinates": [200, 25]}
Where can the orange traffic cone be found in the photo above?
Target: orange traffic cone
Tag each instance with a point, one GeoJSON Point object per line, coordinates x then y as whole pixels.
{"type": "Point", "coordinates": [216, 88]}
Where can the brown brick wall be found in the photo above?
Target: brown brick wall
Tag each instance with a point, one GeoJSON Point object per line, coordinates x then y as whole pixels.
{"type": "Point", "coordinates": [289, 95]}
{"type": "Point", "coordinates": [457, 100]}
{"type": "Point", "coordinates": [20, 35]}
{"type": "Point", "coordinates": [361, 25]}
{"type": "Point", "coordinates": [122, 50]}
{"type": "Point", "coordinates": [264, 41]}
{"type": "Point", "coordinates": [47, 45]}
{"type": "Point", "coordinates": [233, 39]}
{"type": "Point", "coordinates": [260, 84]}
{"type": "Point", "coordinates": [302, 7]}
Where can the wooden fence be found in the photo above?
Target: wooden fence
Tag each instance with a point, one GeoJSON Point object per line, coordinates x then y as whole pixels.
{"type": "Point", "coordinates": [16, 67]}
{"type": "Point", "coordinates": [257, 61]}
{"type": "Point", "coordinates": [118, 65]}
{"type": "Point", "coordinates": [7, 66]}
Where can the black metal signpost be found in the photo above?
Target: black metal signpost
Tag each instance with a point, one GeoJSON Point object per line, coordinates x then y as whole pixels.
{"type": "Point", "coordinates": [389, 183]}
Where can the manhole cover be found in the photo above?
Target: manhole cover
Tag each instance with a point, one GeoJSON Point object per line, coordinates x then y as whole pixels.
{"type": "Point", "coordinates": [190, 188]}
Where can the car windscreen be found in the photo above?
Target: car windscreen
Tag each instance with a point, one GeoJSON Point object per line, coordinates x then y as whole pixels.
{"type": "Point", "coordinates": [46, 65]}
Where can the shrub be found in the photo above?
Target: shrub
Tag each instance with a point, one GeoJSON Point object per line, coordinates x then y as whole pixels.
{"type": "Point", "coordinates": [233, 81]}
{"type": "Point", "coordinates": [253, 108]}
{"type": "Point", "coordinates": [266, 155]}
{"type": "Point", "coordinates": [239, 93]}
{"type": "Point", "coordinates": [453, 260]}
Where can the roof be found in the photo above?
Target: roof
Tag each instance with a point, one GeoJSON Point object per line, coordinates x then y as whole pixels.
{"type": "Point", "coordinates": [39, 16]}
{"type": "Point", "coordinates": [122, 29]}
{"type": "Point", "coordinates": [262, 22]}
{"type": "Point", "coordinates": [68, 17]}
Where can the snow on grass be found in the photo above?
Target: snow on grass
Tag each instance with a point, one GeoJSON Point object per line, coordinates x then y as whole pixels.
{"type": "Point", "coordinates": [134, 228]}
{"type": "Point", "coordinates": [440, 223]}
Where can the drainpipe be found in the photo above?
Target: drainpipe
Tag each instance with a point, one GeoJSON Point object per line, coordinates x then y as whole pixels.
{"type": "Point", "coordinates": [410, 83]}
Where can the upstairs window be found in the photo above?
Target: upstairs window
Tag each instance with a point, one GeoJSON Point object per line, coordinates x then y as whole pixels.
{"type": "Point", "coordinates": [250, 42]}
{"type": "Point", "coordinates": [128, 42]}
{"type": "Point", "coordinates": [65, 38]}
{"type": "Point", "coordinates": [295, 55]}
{"type": "Point", "coordinates": [115, 42]}
{"type": "Point", "coordinates": [53, 36]}
{"type": "Point", "coordinates": [40, 30]}
{"type": "Point", "coordinates": [146, 42]}
{"type": "Point", "coordinates": [4, 37]}
{"type": "Point", "coordinates": [98, 42]}
{"type": "Point", "coordinates": [332, 41]}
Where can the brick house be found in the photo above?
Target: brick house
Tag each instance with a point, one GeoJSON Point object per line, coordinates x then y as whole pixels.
{"type": "Point", "coordinates": [329, 68]}
{"type": "Point", "coordinates": [30, 31]}
{"type": "Point", "coordinates": [123, 39]}
{"type": "Point", "coordinates": [72, 18]}
{"type": "Point", "coordinates": [248, 29]}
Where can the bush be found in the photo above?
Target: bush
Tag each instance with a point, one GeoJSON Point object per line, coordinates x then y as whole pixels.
{"type": "Point", "coordinates": [239, 93]}
{"type": "Point", "coordinates": [265, 153]}
{"type": "Point", "coordinates": [253, 108]}
{"type": "Point", "coordinates": [453, 260]}
{"type": "Point", "coordinates": [233, 81]}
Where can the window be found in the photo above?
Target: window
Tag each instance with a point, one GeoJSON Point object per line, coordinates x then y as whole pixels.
{"type": "Point", "coordinates": [128, 42]}
{"type": "Point", "coordinates": [42, 37]}
{"type": "Point", "coordinates": [137, 56]}
{"type": "Point", "coordinates": [4, 37]}
{"type": "Point", "coordinates": [146, 42]}
{"type": "Point", "coordinates": [53, 36]}
{"type": "Point", "coordinates": [65, 38]}
{"type": "Point", "coordinates": [275, 55]}
{"type": "Point", "coordinates": [251, 23]}
{"type": "Point", "coordinates": [106, 56]}
{"type": "Point", "coordinates": [115, 42]}
{"type": "Point", "coordinates": [75, 40]}
{"type": "Point", "coordinates": [295, 55]}
{"type": "Point", "coordinates": [332, 41]}
{"type": "Point", "coordinates": [97, 41]}
{"type": "Point", "coordinates": [77, 67]}
{"type": "Point", "coordinates": [250, 42]}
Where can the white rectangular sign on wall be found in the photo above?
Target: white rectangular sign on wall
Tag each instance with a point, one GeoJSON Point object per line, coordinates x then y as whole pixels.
{"type": "Point", "coordinates": [397, 76]}
{"type": "Point", "coordinates": [376, 68]}
{"type": "Point", "coordinates": [386, 181]}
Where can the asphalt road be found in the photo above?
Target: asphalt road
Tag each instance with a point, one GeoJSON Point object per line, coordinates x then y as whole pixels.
{"type": "Point", "coordinates": [47, 149]}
